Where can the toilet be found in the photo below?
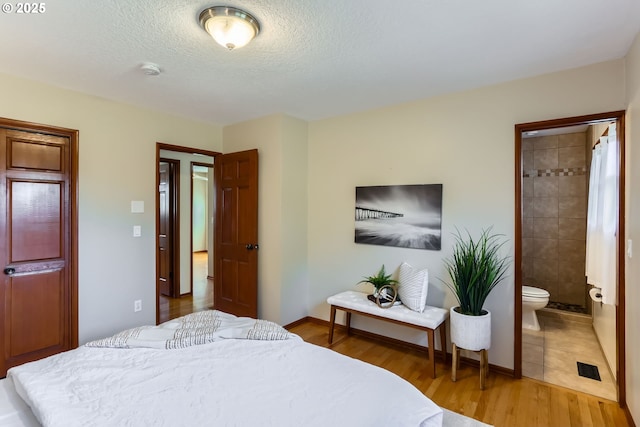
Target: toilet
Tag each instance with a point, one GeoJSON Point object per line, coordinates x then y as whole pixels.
{"type": "Point", "coordinates": [532, 299]}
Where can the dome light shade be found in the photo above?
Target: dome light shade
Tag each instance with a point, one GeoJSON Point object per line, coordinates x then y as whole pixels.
{"type": "Point", "coordinates": [229, 27]}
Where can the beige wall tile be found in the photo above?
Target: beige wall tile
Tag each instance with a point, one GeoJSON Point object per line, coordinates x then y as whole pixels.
{"type": "Point", "coordinates": [545, 272]}
{"type": "Point", "coordinates": [572, 186]}
{"type": "Point", "coordinates": [527, 207]}
{"type": "Point", "coordinates": [545, 186]}
{"type": "Point", "coordinates": [571, 157]}
{"type": "Point", "coordinates": [572, 228]}
{"type": "Point", "coordinates": [571, 271]}
{"type": "Point", "coordinates": [571, 293]}
{"type": "Point", "coordinates": [572, 251]}
{"type": "Point", "coordinates": [527, 144]}
{"type": "Point", "coordinates": [543, 142]}
{"type": "Point", "coordinates": [572, 139]}
{"type": "Point", "coordinates": [527, 248]}
{"type": "Point", "coordinates": [527, 227]}
{"type": "Point", "coordinates": [545, 248]}
{"type": "Point", "coordinates": [545, 228]}
{"type": "Point", "coordinates": [527, 187]}
{"type": "Point", "coordinates": [545, 207]}
{"type": "Point", "coordinates": [527, 160]}
{"type": "Point", "coordinates": [545, 159]}
{"type": "Point", "coordinates": [527, 270]}
{"type": "Point", "coordinates": [572, 207]}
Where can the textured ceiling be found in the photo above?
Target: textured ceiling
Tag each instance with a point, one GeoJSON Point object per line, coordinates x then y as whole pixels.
{"type": "Point", "coordinates": [313, 59]}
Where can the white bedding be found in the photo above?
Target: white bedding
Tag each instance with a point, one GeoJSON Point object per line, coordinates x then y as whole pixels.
{"type": "Point", "coordinates": [232, 382]}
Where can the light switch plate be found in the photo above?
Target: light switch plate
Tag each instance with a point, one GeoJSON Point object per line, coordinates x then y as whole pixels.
{"type": "Point", "coordinates": [137, 206]}
{"type": "Point", "coordinates": [137, 231]}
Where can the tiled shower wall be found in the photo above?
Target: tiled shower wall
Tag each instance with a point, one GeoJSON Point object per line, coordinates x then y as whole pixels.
{"type": "Point", "coordinates": [554, 189]}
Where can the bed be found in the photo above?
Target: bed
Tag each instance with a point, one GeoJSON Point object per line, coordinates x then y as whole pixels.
{"type": "Point", "coordinates": [210, 368]}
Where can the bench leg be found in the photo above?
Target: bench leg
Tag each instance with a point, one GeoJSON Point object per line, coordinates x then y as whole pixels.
{"type": "Point", "coordinates": [348, 323]}
{"type": "Point", "coordinates": [332, 323]}
{"type": "Point", "coordinates": [432, 351]}
{"type": "Point", "coordinates": [443, 341]}
{"type": "Point", "coordinates": [454, 363]}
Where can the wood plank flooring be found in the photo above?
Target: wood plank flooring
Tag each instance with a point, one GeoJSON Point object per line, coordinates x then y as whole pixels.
{"type": "Point", "coordinates": [201, 299]}
{"type": "Point", "coordinates": [505, 402]}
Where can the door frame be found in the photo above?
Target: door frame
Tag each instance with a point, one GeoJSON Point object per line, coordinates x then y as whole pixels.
{"type": "Point", "coordinates": [72, 134]}
{"type": "Point", "coordinates": [180, 149]}
{"type": "Point", "coordinates": [619, 118]}
{"type": "Point", "coordinates": [174, 201]}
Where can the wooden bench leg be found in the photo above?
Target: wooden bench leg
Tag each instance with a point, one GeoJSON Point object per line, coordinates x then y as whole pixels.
{"type": "Point", "coordinates": [454, 363]}
{"type": "Point", "coordinates": [348, 323]}
{"type": "Point", "coordinates": [432, 351]}
{"type": "Point", "coordinates": [332, 323]}
{"type": "Point", "coordinates": [443, 341]}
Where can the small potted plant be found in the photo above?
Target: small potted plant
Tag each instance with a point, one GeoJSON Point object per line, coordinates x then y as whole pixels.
{"type": "Point", "coordinates": [384, 287]}
{"type": "Point", "coordinates": [475, 268]}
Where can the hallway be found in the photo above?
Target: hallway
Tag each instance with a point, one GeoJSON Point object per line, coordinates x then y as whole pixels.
{"type": "Point", "coordinates": [201, 299]}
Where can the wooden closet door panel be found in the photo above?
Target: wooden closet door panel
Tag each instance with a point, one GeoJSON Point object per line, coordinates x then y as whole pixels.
{"type": "Point", "coordinates": [36, 319]}
{"type": "Point", "coordinates": [35, 246]}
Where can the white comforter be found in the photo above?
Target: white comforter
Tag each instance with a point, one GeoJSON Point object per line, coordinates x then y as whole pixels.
{"type": "Point", "coordinates": [226, 383]}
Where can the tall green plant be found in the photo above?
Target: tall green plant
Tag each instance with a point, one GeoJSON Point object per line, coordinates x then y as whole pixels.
{"type": "Point", "coordinates": [475, 268]}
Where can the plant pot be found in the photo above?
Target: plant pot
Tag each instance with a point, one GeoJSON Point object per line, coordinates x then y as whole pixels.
{"type": "Point", "coordinates": [470, 332]}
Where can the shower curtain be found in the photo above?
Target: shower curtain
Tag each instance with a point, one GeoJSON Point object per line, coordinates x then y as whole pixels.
{"type": "Point", "coordinates": [602, 217]}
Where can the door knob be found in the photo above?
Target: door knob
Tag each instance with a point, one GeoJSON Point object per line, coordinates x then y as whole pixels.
{"type": "Point", "coordinates": [9, 271]}
{"type": "Point", "coordinates": [249, 247]}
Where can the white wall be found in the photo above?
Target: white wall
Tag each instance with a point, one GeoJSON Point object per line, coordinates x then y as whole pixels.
{"type": "Point", "coordinates": [464, 141]}
{"type": "Point", "coordinates": [200, 214]}
{"type": "Point", "coordinates": [185, 211]}
{"type": "Point", "coordinates": [633, 228]}
{"type": "Point", "coordinates": [282, 211]}
{"type": "Point", "coordinates": [117, 149]}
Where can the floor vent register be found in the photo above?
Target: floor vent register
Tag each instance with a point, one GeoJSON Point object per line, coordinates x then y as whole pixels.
{"type": "Point", "coordinates": [588, 371]}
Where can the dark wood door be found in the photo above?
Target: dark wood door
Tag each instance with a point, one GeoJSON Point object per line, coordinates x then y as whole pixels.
{"type": "Point", "coordinates": [168, 276]}
{"type": "Point", "coordinates": [35, 247]}
{"type": "Point", "coordinates": [236, 238]}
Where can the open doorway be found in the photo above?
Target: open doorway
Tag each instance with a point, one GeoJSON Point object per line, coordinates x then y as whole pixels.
{"type": "Point", "coordinates": [202, 235]}
{"type": "Point", "coordinates": [193, 291]}
{"type": "Point", "coordinates": [553, 164]}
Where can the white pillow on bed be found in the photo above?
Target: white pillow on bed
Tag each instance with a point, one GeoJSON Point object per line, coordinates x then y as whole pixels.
{"type": "Point", "coordinates": [413, 287]}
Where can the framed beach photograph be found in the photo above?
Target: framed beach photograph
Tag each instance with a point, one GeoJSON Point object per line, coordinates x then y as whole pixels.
{"type": "Point", "coordinates": [407, 216]}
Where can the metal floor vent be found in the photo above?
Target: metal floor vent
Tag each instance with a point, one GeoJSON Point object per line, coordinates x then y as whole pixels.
{"type": "Point", "coordinates": [588, 371]}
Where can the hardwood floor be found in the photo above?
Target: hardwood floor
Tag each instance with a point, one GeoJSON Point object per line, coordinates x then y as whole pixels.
{"type": "Point", "coordinates": [201, 299]}
{"type": "Point", "coordinates": [505, 402]}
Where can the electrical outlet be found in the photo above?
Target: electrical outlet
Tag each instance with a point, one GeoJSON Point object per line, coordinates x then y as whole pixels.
{"type": "Point", "coordinates": [137, 305]}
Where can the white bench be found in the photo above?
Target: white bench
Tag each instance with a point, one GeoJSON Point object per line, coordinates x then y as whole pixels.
{"type": "Point", "coordinates": [429, 320]}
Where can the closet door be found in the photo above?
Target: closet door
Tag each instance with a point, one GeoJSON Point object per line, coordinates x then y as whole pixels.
{"type": "Point", "coordinates": [35, 247]}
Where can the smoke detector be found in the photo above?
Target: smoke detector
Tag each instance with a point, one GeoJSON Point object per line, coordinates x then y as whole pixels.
{"type": "Point", "coordinates": [150, 69]}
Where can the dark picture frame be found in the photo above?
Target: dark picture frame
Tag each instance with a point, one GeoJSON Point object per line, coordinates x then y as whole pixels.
{"type": "Point", "coordinates": [407, 216]}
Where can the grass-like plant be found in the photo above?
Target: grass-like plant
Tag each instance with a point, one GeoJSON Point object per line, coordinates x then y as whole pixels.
{"type": "Point", "coordinates": [380, 280]}
{"type": "Point", "coordinates": [475, 268]}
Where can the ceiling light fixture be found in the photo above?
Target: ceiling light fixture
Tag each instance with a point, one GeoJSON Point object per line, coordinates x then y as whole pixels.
{"type": "Point", "coordinates": [229, 27]}
{"type": "Point", "coordinates": [150, 69]}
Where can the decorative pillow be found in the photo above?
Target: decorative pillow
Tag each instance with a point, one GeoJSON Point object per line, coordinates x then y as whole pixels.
{"type": "Point", "coordinates": [413, 287]}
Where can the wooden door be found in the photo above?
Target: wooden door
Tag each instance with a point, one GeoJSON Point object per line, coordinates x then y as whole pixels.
{"type": "Point", "coordinates": [36, 296]}
{"type": "Point", "coordinates": [168, 272]}
{"type": "Point", "coordinates": [236, 238]}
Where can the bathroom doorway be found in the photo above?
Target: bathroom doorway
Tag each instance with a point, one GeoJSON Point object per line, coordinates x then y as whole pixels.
{"type": "Point", "coordinates": [552, 176]}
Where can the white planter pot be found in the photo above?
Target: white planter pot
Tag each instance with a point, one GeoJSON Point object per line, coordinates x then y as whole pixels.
{"type": "Point", "coordinates": [470, 332]}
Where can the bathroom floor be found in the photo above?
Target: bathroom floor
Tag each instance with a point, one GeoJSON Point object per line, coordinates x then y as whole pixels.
{"type": "Point", "coordinates": [551, 354]}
